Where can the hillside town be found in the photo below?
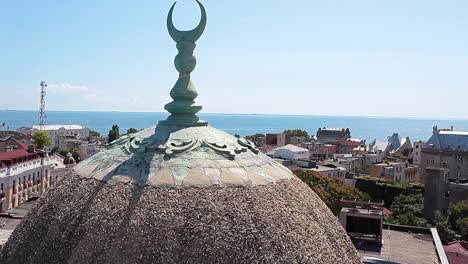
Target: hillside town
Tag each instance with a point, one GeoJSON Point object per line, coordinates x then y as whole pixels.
{"type": "Point", "coordinates": [438, 166]}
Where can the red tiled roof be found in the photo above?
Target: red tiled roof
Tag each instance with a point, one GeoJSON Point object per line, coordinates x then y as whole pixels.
{"type": "Point", "coordinates": [12, 157]}
{"type": "Point", "coordinates": [457, 252]}
{"type": "Point", "coordinates": [351, 142]}
{"type": "Point", "coordinates": [387, 212]}
{"type": "Point", "coordinates": [9, 155]}
{"type": "Point", "coordinates": [22, 144]}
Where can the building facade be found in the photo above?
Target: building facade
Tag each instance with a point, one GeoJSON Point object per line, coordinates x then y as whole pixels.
{"type": "Point", "coordinates": [55, 132]}
{"type": "Point", "coordinates": [444, 170]}
{"type": "Point", "coordinates": [446, 149]}
{"type": "Point", "coordinates": [401, 172]}
{"type": "Point", "coordinates": [291, 152]}
{"type": "Point", "coordinates": [350, 145]}
{"type": "Point", "coordinates": [417, 148]}
{"type": "Point", "coordinates": [24, 174]}
{"type": "Point", "coordinates": [332, 135]}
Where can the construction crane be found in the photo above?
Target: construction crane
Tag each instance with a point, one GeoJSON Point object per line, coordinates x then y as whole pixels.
{"type": "Point", "coordinates": [42, 113]}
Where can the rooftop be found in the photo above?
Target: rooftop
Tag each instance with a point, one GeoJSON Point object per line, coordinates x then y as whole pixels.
{"type": "Point", "coordinates": [448, 140]}
{"type": "Point", "coordinates": [293, 148]}
{"type": "Point", "coordinates": [400, 247]}
{"type": "Point", "coordinates": [55, 127]}
{"type": "Point", "coordinates": [321, 168]}
{"type": "Point", "coordinates": [457, 252]}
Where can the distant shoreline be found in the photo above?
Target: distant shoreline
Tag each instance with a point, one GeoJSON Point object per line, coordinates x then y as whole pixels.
{"type": "Point", "coordinates": [250, 114]}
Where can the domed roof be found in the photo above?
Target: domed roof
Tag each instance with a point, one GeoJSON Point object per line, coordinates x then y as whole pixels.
{"type": "Point", "coordinates": [69, 160]}
{"type": "Point", "coordinates": [180, 192]}
{"type": "Point", "coordinates": [171, 156]}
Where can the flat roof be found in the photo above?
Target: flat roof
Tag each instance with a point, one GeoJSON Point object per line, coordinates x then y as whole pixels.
{"type": "Point", "coordinates": [57, 127]}
{"type": "Point", "coordinates": [319, 168]}
{"type": "Point", "coordinates": [402, 247]}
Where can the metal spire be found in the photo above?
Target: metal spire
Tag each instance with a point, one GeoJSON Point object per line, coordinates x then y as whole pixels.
{"type": "Point", "coordinates": [42, 113]}
{"type": "Point", "coordinates": [183, 109]}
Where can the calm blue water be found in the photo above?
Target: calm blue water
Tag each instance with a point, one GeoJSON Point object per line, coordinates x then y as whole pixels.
{"type": "Point", "coordinates": [361, 127]}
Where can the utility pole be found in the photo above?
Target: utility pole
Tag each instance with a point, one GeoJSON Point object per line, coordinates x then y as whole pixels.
{"type": "Point", "coordinates": [42, 113]}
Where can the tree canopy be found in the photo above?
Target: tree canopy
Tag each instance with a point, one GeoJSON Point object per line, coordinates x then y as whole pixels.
{"type": "Point", "coordinates": [94, 133]}
{"type": "Point", "coordinates": [114, 133]}
{"type": "Point", "coordinates": [296, 133]}
{"type": "Point", "coordinates": [330, 189]}
{"type": "Point", "coordinates": [254, 138]}
{"type": "Point", "coordinates": [74, 151]}
{"type": "Point", "coordinates": [41, 139]}
{"type": "Point", "coordinates": [408, 210]}
{"type": "Point", "coordinates": [384, 190]}
{"type": "Point", "coordinates": [455, 225]}
{"type": "Point", "coordinates": [131, 130]}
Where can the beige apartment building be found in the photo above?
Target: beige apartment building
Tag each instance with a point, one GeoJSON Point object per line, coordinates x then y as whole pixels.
{"type": "Point", "coordinates": [401, 172]}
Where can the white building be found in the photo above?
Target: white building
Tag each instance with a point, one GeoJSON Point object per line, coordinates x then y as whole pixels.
{"type": "Point", "coordinates": [330, 171]}
{"type": "Point", "coordinates": [370, 159]}
{"type": "Point", "coordinates": [57, 131]}
{"type": "Point", "coordinates": [24, 173]}
{"type": "Point", "coordinates": [291, 152]}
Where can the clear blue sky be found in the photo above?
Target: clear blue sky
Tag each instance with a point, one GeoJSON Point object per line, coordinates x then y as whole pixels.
{"type": "Point", "coordinates": [361, 57]}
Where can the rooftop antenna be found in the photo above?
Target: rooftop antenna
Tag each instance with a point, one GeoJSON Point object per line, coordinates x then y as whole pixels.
{"type": "Point", "coordinates": [42, 113]}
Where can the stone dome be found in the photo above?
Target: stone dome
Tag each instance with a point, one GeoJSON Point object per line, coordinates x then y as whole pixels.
{"type": "Point", "coordinates": [180, 192]}
{"type": "Point", "coordinates": [69, 160]}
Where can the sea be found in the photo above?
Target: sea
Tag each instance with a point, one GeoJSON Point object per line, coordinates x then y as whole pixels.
{"type": "Point", "coordinates": [368, 128]}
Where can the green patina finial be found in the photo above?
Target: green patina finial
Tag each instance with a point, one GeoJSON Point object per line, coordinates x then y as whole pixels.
{"type": "Point", "coordinates": [183, 109]}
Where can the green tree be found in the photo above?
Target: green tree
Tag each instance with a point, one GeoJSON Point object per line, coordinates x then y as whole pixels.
{"type": "Point", "coordinates": [443, 228]}
{"type": "Point", "coordinates": [41, 139]}
{"type": "Point", "coordinates": [330, 189]}
{"type": "Point", "coordinates": [131, 130]}
{"type": "Point", "coordinates": [114, 133]}
{"type": "Point", "coordinates": [384, 190]}
{"type": "Point", "coordinates": [94, 133]}
{"type": "Point", "coordinates": [296, 133]}
{"type": "Point", "coordinates": [74, 151]}
{"type": "Point", "coordinates": [408, 210]}
{"type": "Point", "coordinates": [357, 168]}
{"type": "Point", "coordinates": [254, 138]}
{"type": "Point", "coordinates": [457, 215]}
{"type": "Point", "coordinates": [455, 225]}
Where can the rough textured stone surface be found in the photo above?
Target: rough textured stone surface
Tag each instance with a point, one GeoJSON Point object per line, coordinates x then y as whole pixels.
{"type": "Point", "coordinates": [87, 221]}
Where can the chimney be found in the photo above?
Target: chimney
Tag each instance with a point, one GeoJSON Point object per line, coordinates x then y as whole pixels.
{"type": "Point", "coordinates": [31, 148]}
{"type": "Point", "coordinates": [451, 128]}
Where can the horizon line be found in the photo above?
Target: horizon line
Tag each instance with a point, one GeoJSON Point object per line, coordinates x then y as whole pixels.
{"type": "Point", "coordinates": [253, 114]}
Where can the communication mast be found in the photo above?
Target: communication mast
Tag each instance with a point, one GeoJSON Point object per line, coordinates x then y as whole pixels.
{"type": "Point", "coordinates": [42, 113]}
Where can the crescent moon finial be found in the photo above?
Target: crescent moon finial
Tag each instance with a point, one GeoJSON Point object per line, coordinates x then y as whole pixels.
{"type": "Point", "coordinates": [188, 36]}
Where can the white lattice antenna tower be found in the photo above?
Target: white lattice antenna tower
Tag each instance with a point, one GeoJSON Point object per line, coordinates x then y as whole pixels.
{"type": "Point", "coordinates": [42, 113]}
